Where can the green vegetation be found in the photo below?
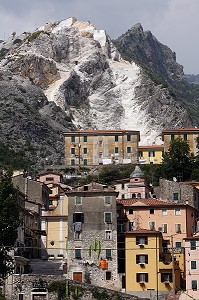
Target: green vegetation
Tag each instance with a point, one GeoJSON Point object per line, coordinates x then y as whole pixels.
{"type": "Point", "coordinates": [9, 222]}
{"type": "Point", "coordinates": [11, 159]}
{"type": "Point", "coordinates": [1, 295]}
{"type": "Point", "coordinates": [177, 160]}
{"type": "Point", "coordinates": [34, 35]}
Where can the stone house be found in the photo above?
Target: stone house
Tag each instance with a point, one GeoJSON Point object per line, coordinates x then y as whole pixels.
{"type": "Point", "coordinates": [179, 192]}
{"type": "Point", "coordinates": [92, 235]}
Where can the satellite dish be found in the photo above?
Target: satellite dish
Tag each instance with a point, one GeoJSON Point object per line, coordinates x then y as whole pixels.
{"type": "Point", "coordinates": [174, 179]}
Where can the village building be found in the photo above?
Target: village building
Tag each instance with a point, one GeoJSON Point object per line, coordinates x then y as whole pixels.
{"type": "Point", "coordinates": [150, 154]}
{"type": "Point", "coordinates": [188, 134]}
{"type": "Point", "coordinates": [92, 236]}
{"type": "Point", "coordinates": [149, 273]}
{"type": "Point", "coordinates": [101, 147]}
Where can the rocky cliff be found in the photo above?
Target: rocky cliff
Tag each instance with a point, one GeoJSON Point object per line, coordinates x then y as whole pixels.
{"type": "Point", "coordinates": [70, 75]}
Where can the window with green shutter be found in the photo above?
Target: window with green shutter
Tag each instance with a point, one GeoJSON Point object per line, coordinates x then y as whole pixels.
{"type": "Point", "coordinates": [108, 254]}
{"type": "Point", "coordinates": [193, 245]}
{"type": "Point", "coordinates": [107, 217]}
{"type": "Point", "coordinates": [78, 253]}
{"type": "Point", "coordinates": [194, 285]}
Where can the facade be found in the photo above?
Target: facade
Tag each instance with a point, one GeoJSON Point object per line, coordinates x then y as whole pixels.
{"type": "Point", "coordinates": [55, 221]}
{"type": "Point", "coordinates": [179, 192]}
{"type": "Point", "coordinates": [101, 147]}
{"type": "Point", "coordinates": [133, 187]}
{"type": "Point", "coordinates": [189, 134]}
{"type": "Point", "coordinates": [192, 267]}
{"type": "Point", "coordinates": [150, 154]}
{"type": "Point", "coordinates": [149, 273]}
{"type": "Point", "coordinates": [92, 236]}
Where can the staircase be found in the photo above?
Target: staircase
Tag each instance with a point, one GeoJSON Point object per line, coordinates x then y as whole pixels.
{"type": "Point", "coordinates": [46, 267]}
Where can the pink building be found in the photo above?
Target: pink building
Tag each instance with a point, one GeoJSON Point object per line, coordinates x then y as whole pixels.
{"type": "Point", "coordinates": [192, 268]}
{"type": "Point", "coordinates": [133, 187]}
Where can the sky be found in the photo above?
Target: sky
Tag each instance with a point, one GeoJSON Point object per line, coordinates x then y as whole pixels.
{"type": "Point", "coordinates": [174, 23]}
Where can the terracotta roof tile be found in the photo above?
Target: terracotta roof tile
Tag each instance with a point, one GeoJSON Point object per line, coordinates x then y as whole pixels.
{"type": "Point", "coordinates": [147, 202]}
{"type": "Point", "coordinates": [145, 231]}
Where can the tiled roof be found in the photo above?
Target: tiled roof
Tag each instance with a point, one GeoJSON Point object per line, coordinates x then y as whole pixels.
{"type": "Point", "coordinates": [100, 131]}
{"type": "Point", "coordinates": [145, 231]}
{"type": "Point", "coordinates": [147, 202]}
{"type": "Point", "coordinates": [151, 147]}
{"type": "Point", "coordinates": [194, 237]}
{"type": "Point", "coordinates": [180, 129]}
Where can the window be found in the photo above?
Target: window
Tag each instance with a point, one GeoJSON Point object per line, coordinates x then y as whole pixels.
{"type": "Point", "coordinates": [100, 154]}
{"type": "Point", "coordinates": [85, 139]}
{"type": "Point", "coordinates": [177, 212]}
{"type": "Point", "coordinates": [172, 137]}
{"type": "Point", "coordinates": [107, 200]}
{"type": "Point", "coordinates": [140, 153]}
{"type": "Point", "coordinates": [49, 179]}
{"type": "Point", "coordinates": [72, 162]}
{"type": "Point", "coordinates": [178, 245]}
{"type": "Point", "coordinates": [78, 217]}
{"type": "Point", "coordinates": [128, 149]}
{"type": "Point", "coordinates": [151, 211]}
{"type": "Point", "coordinates": [166, 277]}
{"type": "Point", "coordinates": [108, 275]}
{"type": "Point", "coordinates": [151, 153]}
{"type": "Point", "coordinates": [141, 240]}
{"type": "Point", "coordinates": [194, 285]}
{"type": "Point", "coordinates": [85, 162]}
{"type": "Point", "coordinates": [20, 296]}
{"type": "Point", "coordinates": [78, 253]}
{"type": "Point", "coordinates": [193, 245]}
{"type": "Point", "coordinates": [108, 235]}
{"type": "Point", "coordinates": [138, 195]}
{"type": "Point", "coordinates": [116, 138]}
{"type": "Point", "coordinates": [128, 137]}
{"type": "Point", "coordinates": [107, 217]}
{"type": "Point", "coordinates": [185, 136]}
{"type": "Point", "coordinates": [164, 212]}
{"type": "Point", "coordinates": [141, 259]}
{"type": "Point", "coordinates": [78, 200]}
{"type": "Point", "coordinates": [151, 225]}
{"type": "Point", "coordinates": [116, 150]}
{"type": "Point", "coordinates": [178, 228]}
{"type": "Point", "coordinates": [85, 150]}
{"type": "Point", "coordinates": [122, 186]}
{"type": "Point", "coordinates": [72, 150]}
{"type": "Point", "coordinates": [72, 139]}
{"type": "Point", "coordinates": [120, 228]}
{"type": "Point", "coordinates": [142, 277]}
{"type": "Point", "coordinates": [130, 211]}
{"type": "Point", "coordinates": [100, 143]}
{"type": "Point", "coordinates": [175, 196]}
{"type": "Point", "coordinates": [193, 264]}
{"type": "Point", "coordinates": [50, 202]}
{"type": "Point", "coordinates": [108, 254]}
{"type": "Point", "coordinates": [164, 228]}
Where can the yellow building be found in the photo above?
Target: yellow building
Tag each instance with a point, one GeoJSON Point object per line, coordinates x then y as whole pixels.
{"type": "Point", "coordinates": [150, 154]}
{"type": "Point", "coordinates": [149, 273]}
{"type": "Point", "coordinates": [100, 147]}
{"type": "Point", "coordinates": [188, 134]}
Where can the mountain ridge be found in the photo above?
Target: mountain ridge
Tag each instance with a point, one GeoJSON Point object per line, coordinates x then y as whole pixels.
{"type": "Point", "coordinates": [81, 74]}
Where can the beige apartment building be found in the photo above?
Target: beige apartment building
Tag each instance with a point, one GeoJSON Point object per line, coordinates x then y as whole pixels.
{"type": "Point", "coordinates": [191, 135]}
{"type": "Point", "coordinates": [101, 147]}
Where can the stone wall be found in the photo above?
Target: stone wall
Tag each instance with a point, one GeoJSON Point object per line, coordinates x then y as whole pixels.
{"type": "Point", "coordinates": [28, 285]}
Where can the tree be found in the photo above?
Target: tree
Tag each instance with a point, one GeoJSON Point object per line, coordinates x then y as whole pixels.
{"type": "Point", "coordinates": [177, 161]}
{"type": "Point", "coordinates": [9, 222]}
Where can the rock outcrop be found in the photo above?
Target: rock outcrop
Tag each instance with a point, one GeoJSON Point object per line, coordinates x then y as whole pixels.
{"type": "Point", "coordinates": [78, 73]}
